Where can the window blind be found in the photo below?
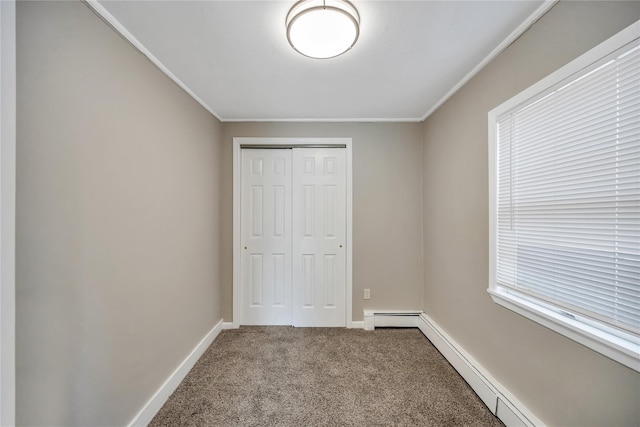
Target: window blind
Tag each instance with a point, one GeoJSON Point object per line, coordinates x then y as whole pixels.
{"type": "Point", "coordinates": [568, 193]}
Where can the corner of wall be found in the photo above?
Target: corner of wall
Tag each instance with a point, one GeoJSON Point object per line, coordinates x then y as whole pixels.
{"type": "Point", "coordinates": [151, 408]}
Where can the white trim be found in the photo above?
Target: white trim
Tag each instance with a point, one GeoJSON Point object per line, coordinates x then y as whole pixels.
{"type": "Point", "coordinates": [349, 236]}
{"type": "Point", "coordinates": [498, 399]}
{"type": "Point", "coordinates": [237, 177]}
{"type": "Point", "coordinates": [537, 14]}
{"type": "Point", "coordinates": [358, 324]}
{"type": "Point", "coordinates": [626, 352]}
{"type": "Point", "coordinates": [329, 120]}
{"type": "Point", "coordinates": [151, 408]}
{"type": "Point", "coordinates": [228, 325]}
{"type": "Point", "coordinates": [237, 169]}
{"type": "Point", "coordinates": [390, 319]}
{"type": "Point", "coordinates": [622, 351]}
{"type": "Point", "coordinates": [119, 28]}
{"type": "Point", "coordinates": [7, 210]}
{"type": "Point", "coordinates": [508, 414]}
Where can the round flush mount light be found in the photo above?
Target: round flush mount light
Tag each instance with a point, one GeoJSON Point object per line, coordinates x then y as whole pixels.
{"type": "Point", "coordinates": [323, 28]}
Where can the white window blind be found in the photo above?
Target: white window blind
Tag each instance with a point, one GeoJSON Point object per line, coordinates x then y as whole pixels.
{"type": "Point", "coordinates": [568, 193]}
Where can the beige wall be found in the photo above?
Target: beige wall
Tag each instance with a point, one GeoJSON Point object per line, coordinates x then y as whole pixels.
{"type": "Point", "coordinates": [117, 221]}
{"type": "Point", "coordinates": [387, 210]}
{"type": "Point", "coordinates": [562, 382]}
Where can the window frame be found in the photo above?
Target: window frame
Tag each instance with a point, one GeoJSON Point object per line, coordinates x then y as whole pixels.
{"type": "Point", "coordinates": [621, 347]}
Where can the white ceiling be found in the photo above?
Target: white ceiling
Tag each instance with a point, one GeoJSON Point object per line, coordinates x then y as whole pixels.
{"type": "Point", "coordinates": [233, 56]}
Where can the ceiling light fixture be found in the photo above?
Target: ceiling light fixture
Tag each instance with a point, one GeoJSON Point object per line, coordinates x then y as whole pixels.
{"type": "Point", "coordinates": [323, 28]}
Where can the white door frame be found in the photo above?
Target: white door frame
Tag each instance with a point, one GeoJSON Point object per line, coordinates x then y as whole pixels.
{"type": "Point", "coordinates": [238, 143]}
{"type": "Point", "coordinates": [7, 210]}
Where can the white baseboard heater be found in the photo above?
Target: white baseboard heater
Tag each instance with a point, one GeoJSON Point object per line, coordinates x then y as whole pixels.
{"type": "Point", "coordinates": [391, 319]}
{"type": "Point", "coordinates": [498, 399]}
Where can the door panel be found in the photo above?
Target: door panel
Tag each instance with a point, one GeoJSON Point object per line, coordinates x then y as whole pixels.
{"type": "Point", "coordinates": [319, 232]}
{"type": "Point", "coordinates": [265, 230]}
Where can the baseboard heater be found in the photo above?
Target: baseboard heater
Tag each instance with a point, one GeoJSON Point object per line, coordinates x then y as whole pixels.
{"type": "Point", "coordinates": [391, 319]}
{"type": "Point", "coordinates": [497, 397]}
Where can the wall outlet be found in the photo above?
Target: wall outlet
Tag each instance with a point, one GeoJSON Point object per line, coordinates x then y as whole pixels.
{"type": "Point", "coordinates": [367, 294]}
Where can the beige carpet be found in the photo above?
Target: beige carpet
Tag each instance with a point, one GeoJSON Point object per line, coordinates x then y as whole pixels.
{"type": "Point", "coordinates": [285, 376]}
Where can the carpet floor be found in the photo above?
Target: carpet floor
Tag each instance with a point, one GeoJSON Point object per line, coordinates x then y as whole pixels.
{"type": "Point", "coordinates": [285, 376]}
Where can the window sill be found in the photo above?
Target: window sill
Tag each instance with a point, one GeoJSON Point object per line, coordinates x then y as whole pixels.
{"type": "Point", "coordinates": [626, 352]}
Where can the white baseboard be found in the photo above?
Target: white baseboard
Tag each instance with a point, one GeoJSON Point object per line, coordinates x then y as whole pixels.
{"type": "Point", "coordinates": [390, 319]}
{"type": "Point", "coordinates": [353, 325]}
{"type": "Point", "coordinates": [497, 398]}
{"type": "Point", "coordinates": [229, 325]}
{"type": "Point", "coordinates": [154, 404]}
{"type": "Point", "coordinates": [359, 324]}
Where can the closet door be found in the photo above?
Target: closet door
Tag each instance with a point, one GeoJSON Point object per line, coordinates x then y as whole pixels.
{"type": "Point", "coordinates": [266, 218]}
{"type": "Point", "coordinates": [319, 232]}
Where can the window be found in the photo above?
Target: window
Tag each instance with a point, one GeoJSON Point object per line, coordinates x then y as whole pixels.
{"type": "Point", "coordinates": [565, 200]}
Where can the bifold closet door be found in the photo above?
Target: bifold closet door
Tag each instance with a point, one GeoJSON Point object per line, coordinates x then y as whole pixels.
{"type": "Point", "coordinates": [266, 223]}
{"type": "Point", "coordinates": [319, 232]}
